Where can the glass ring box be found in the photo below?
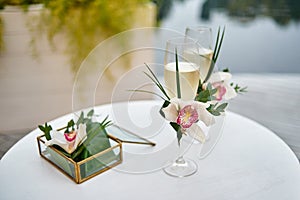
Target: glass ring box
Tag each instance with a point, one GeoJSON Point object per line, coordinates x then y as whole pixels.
{"type": "Point", "coordinates": [106, 159]}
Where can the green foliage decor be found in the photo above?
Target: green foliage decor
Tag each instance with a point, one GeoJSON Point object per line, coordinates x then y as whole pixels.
{"type": "Point", "coordinates": [85, 23]}
{"type": "Point", "coordinates": [96, 141]}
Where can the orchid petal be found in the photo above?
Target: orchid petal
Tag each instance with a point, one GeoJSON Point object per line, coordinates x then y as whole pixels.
{"type": "Point", "coordinates": [170, 112]}
{"type": "Point", "coordinates": [221, 90]}
{"type": "Point", "coordinates": [71, 136]}
{"type": "Point", "coordinates": [196, 132]}
{"type": "Point", "coordinates": [81, 134]}
{"type": "Point", "coordinates": [177, 102]}
{"type": "Point", "coordinates": [59, 139]}
{"type": "Point", "coordinates": [219, 76]}
{"type": "Point", "coordinates": [203, 114]}
{"type": "Point", "coordinates": [187, 116]}
{"type": "Point", "coordinates": [230, 92]}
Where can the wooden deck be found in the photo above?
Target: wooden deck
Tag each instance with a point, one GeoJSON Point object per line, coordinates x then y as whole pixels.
{"type": "Point", "coordinates": [272, 100]}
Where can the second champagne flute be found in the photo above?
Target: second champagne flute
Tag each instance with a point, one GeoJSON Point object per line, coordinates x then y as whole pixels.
{"type": "Point", "coordinates": [202, 36]}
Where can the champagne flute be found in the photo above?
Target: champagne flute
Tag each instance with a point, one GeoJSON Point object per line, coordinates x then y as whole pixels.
{"type": "Point", "coordinates": [189, 80]}
{"type": "Point", "coordinates": [202, 36]}
{"type": "Point", "coordinates": [187, 65]}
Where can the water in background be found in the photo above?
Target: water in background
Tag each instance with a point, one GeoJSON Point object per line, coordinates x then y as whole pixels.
{"type": "Point", "coordinates": [261, 36]}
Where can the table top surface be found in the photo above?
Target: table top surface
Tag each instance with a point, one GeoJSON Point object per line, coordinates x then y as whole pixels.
{"type": "Point", "coordinates": [248, 162]}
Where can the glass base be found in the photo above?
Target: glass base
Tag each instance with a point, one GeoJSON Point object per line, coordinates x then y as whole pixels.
{"type": "Point", "coordinates": [182, 167]}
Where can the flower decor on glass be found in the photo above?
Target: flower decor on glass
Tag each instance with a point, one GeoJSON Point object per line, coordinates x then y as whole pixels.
{"type": "Point", "coordinates": [217, 87]}
{"type": "Point", "coordinates": [181, 74]}
{"type": "Point", "coordinates": [188, 98]}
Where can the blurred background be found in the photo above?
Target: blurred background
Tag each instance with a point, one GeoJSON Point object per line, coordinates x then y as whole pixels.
{"type": "Point", "coordinates": [43, 44]}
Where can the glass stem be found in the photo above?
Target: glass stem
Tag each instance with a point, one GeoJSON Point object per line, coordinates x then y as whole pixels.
{"type": "Point", "coordinates": [180, 160]}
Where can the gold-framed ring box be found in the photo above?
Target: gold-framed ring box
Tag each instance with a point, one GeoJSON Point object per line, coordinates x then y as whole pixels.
{"type": "Point", "coordinates": [87, 168]}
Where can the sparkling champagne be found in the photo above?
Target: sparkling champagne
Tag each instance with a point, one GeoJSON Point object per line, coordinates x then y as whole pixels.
{"type": "Point", "coordinates": [189, 79]}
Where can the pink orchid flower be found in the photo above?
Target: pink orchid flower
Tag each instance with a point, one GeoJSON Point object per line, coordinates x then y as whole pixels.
{"type": "Point", "coordinates": [221, 90]}
{"type": "Point", "coordinates": [68, 141]}
{"type": "Point", "coordinates": [221, 82]}
{"type": "Point", "coordinates": [187, 114]}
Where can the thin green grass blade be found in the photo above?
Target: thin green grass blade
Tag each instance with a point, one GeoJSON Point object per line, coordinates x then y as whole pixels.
{"type": "Point", "coordinates": [149, 92]}
{"type": "Point", "coordinates": [212, 63]}
{"type": "Point", "coordinates": [177, 76]}
{"type": "Point", "coordinates": [156, 79]}
{"type": "Point", "coordinates": [104, 120]}
{"type": "Point", "coordinates": [158, 85]}
{"type": "Point", "coordinates": [216, 45]}
{"type": "Point", "coordinates": [220, 44]}
{"type": "Point", "coordinates": [215, 54]}
{"type": "Point", "coordinates": [153, 80]}
{"type": "Point", "coordinates": [152, 73]}
{"type": "Point", "coordinates": [210, 70]}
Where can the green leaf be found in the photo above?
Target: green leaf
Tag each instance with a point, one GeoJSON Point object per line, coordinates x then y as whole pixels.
{"type": "Point", "coordinates": [225, 70]}
{"type": "Point", "coordinates": [46, 130]}
{"type": "Point", "coordinates": [219, 46]}
{"type": "Point", "coordinates": [179, 136]}
{"type": "Point", "coordinates": [199, 89]}
{"type": "Point", "coordinates": [41, 128]}
{"type": "Point", "coordinates": [160, 87]}
{"type": "Point", "coordinates": [216, 109]}
{"type": "Point", "coordinates": [216, 45]}
{"type": "Point", "coordinates": [92, 130]}
{"type": "Point", "coordinates": [244, 89]}
{"type": "Point", "coordinates": [80, 119]}
{"type": "Point", "coordinates": [238, 89]}
{"type": "Point", "coordinates": [222, 106]}
{"type": "Point", "coordinates": [61, 150]}
{"type": "Point", "coordinates": [149, 92]}
{"type": "Point", "coordinates": [156, 81]}
{"type": "Point", "coordinates": [99, 143]}
{"type": "Point", "coordinates": [177, 76]}
{"type": "Point", "coordinates": [165, 104]}
{"type": "Point", "coordinates": [210, 71]}
{"type": "Point", "coordinates": [96, 142]}
{"type": "Point", "coordinates": [105, 122]}
{"type": "Point", "coordinates": [206, 95]}
{"type": "Point", "coordinates": [215, 113]}
{"type": "Point", "coordinates": [216, 52]}
{"type": "Point", "coordinates": [209, 86]}
{"type": "Point", "coordinates": [70, 125]}
{"type": "Point", "coordinates": [90, 113]}
{"type": "Point", "coordinates": [177, 128]}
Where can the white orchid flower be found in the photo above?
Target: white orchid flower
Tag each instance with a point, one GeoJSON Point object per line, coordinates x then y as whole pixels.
{"type": "Point", "coordinates": [221, 82]}
{"type": "Point", "coordinates": [68, 141]}
{"type": "Point", "coordinates": [187, 114]}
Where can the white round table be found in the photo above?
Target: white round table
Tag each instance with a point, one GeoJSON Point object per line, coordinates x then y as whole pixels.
{"type": "Point", "coordinates": [249, 162]}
